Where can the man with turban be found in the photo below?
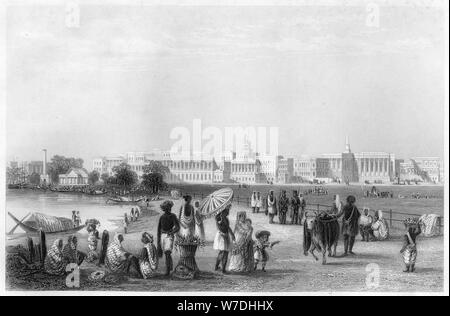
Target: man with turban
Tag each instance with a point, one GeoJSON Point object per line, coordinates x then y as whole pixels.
{"type": "Point", "coordinates": [350, 227]}
{"type": "Point", "coordinates": [168, 226]}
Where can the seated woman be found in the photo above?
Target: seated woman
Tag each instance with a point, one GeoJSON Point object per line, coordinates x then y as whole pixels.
{"type": "Point", "coordinates": [70, 252]}
{"type": "Point", "coordinates": [148, 261]}
{"type": "Point", "coordinates": [365, 225]}
{"type": "Point", "coordinates": [54, 262]}
{"type": "Point", "coordinates": [118, 260]}
{"type": "Point", "coordinates": [93, 237]}
{"type": "Point", "coordinates": [380, 228]}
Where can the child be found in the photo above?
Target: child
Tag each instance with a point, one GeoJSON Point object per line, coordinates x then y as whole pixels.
{"type": "Point", "coordinates": [262, 242]}
{"type": "Point", "coordinates": [125, 223]}
{"type": "Point", "coordinates": [409, 250]}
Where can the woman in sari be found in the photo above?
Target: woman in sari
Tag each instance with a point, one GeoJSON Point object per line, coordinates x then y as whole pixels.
{"type": "Point", "coordinates": [186, 219]}
{"type": "Point", "coordinates": [54, 262]}
{"type": "Point", "coordinates": [380, 228]}
{"type": "Point", "coordinates": [93, 237]}
{"type": "Point", "coordinates": [199, 227]}
{"type": "Point", "coordinates": [120, 261]}
{"type": "Point", "coordinates": [242, 252]}
{"type": "Point", "coordinates": [148, 261]}
{"type": "Point", "coordinates": [71, 253]}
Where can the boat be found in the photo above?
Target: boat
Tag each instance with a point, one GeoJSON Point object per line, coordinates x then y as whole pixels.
{"type": "Point", "coordinates": [48, 224]}
{"type": "Point", "coordinates": [123, 199]}
{"type": "Point", "coordinates": [97, 192]}
{"type": "Point", "coordinates": [15, 186]}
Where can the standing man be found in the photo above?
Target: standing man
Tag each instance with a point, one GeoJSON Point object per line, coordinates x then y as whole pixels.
{"type": "Point", "coordinates": [224, 238]}
{"type": "Point", "coordinates": [295, 205]}
{"type": "Point", "coordinates": [168, 226]}
{"type": "Point", "coordinates": [283, 207]}
{"type": "Point", "coordinates": [350, 224]}
{"type": "Point", "coordinates": [253, 202]}
{"type": "Point", "coordinates": [271, 206]}
{"type": "Point", "coordinates": [258, 201]}
{"type": "Point", "coordinates": [302, 208]}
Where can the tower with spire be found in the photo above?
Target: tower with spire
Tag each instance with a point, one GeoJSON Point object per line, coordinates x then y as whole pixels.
{"type": "Point", "coordinates": [349, 166]}
{"type": "Point", "coordinates": [347, 146]}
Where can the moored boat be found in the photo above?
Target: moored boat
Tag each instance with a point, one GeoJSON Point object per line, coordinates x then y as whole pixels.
{"type": "Point", "coordinates": [48, 224]}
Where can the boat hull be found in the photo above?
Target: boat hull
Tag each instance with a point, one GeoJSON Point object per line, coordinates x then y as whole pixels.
{"type": "Point", "coordinates": [29, 229]}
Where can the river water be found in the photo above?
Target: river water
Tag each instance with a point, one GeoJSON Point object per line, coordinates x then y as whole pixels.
{"type": "Point", "coordinates": [21, 202]}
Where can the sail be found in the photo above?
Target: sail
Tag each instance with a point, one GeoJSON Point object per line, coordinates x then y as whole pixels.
{"type": "Point", "coordinates": [51, 223]}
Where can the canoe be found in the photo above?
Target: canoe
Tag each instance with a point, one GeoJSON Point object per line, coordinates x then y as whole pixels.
{"type": "Point", "coordinates": [120, 199]}
{"type": "Point", "coordinates": [48, 224]}
{"type": "Point", "coordinates": [96, 193]}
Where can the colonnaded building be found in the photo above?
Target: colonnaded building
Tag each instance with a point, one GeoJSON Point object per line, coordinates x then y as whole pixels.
{"type": "Point", "coordinates": [252, 168]}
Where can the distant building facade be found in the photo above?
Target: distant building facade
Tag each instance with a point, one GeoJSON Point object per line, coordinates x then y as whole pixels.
{"type": "Point", "coordinates": [285, 170]}
{"type": "Point", "coordinates": [74, 176]}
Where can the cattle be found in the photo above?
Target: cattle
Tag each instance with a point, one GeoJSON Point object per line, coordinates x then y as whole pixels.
{"type": "Point", "coordinates": [321, 232]}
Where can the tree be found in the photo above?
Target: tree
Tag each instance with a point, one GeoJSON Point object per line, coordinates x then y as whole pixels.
{"type": "Point", "coordinates": [12, 174]}
{"type": "Point", "coordinates": [60, 165]}
{"type": "Point", "coordinates": [124, 176]}
{"type": "Point", "coordinates": [93, 177]}
{"type": "Point", "coordinates": [105, 177]}
{"type": "Point", "coordinates": [153, 177]}
{"type": "Point", "coordinates": [35, 178]}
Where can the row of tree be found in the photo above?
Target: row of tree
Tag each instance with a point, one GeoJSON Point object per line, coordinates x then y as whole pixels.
{"type": "Point", "coordinates": [124, 176]}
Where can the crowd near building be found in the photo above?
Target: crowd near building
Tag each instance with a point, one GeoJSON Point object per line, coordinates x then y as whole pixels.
{"type": "Point", "coordinates": [248, 167]}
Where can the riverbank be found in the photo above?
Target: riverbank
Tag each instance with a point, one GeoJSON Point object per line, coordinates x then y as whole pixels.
{"type": "Point", "coordinates": [288, 269]}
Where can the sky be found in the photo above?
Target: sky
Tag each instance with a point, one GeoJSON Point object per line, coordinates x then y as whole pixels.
{"type": "Point", "coordinates": [125, 76]}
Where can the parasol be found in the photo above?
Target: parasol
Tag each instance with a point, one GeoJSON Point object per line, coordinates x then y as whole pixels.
{"type": "Point", "coordinates": [216, 202]}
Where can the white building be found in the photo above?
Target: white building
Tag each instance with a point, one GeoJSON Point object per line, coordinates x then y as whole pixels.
{"type": "Point", "coordinates": [269, 167]}
{"type": "Point", "coordinates": [75, 176]}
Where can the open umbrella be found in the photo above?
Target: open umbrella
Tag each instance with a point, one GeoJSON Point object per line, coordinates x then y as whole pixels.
{"type": "Point", "coordinates": [216, 202]}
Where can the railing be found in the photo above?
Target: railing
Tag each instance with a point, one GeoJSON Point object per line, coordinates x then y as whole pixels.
{"type": "Point", "coordinates": [395, 219]}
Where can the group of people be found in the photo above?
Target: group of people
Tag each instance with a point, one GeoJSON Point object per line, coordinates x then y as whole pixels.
{"type": "Point", "coordinates": [246, 254]}
{"type": "Point", "coordinates": [238, 252]}
{"type": "Point", "coordinates": [134, 215]}
{"type": "Point", "coordinates": [60, 255]}
{"type": "Point", "coordinates": [373, 227]}
{"type": "Point", "coordinates": [283, 204]}
{"type": "Point", "coordinates": [76, 218]}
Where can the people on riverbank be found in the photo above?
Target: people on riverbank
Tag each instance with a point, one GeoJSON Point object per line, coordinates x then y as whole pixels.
{"type": "Point", "coordinates": [295, 207]}
{"type": "Point", "coordinates": [283, 207]}
{"type": "Point", "coordinates": [71, 253]}
{"type": "Point", "coordinates": [365, 225]}
{"type": "Point", "coordinates": [350, 224]}
{"type": "Point", "coordinates": [253, 202]}
{"type": "Point", "coordinates": [241, 259]}
{"type": "Point", "coordinates": [258, 202]}
{"type": "Point", "coordinates": [126, 222]}
{"type": "Point", "coordinates": [93, 237]}
{"type": "Point", "coordinates": [261, 245]}
{"type": "Point", "coordinates": [186, 218]}
{"type": "Point", "coordinates": [148, 261]}
{"type": "Point", "coordinates": [120, 261]}
{"type": "Point", "coordinates": [168, 226]}
{"type": "Point", "coordinates": [380, 228]}
{"type": "Point", "coordinates": [54, 261]}
{"type": "Point", "coordinates": [223, 240]}
{"type": "Point", "coordinates": [271, 206]}
{"type": "Point", "coordinates": [409, 249]}
{"type": "Point", "coordinates": [302, 208]}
